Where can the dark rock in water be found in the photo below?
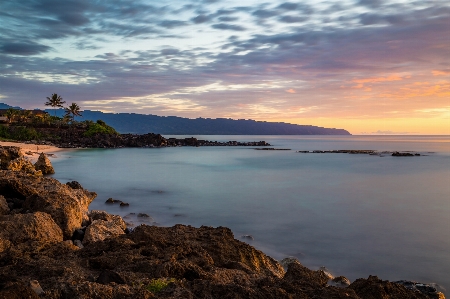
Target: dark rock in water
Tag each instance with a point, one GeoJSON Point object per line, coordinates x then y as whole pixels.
{"type": "Point", "coordinates": [108, 276]}
{"type": "Point", "coordinates": [398, 154]}
{"type": "Point", "coordinates": [247, 237]}
{"type": "Point", "coordinates": [124, 204]}
{"type": "Point", "coordinates": [340, 282]}
{"type": "Point", "coordinates": [44, 165]}
{"type": "Point", "coordinates": [373, 287]}
{"type": "Point", "coordinates": [111, 200]}
{"type": "Point", "coordinates": [143, 215]}
{"type": "Point", "coordinates": [429, 290]}
{"type": "Point", "coordinates": [74, 185]}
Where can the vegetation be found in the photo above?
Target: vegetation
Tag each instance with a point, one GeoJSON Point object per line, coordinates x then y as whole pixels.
{"type": "Point", "coordinates": [55, 101]}
{"type": "Point", "coordinates": [73, 110]}
{"type": "Point", "coordinates": [157, 285]}
{"type": "Point", "coordinates": [21, 133]}
{"type": "Point", "coordinates": [100, 127]}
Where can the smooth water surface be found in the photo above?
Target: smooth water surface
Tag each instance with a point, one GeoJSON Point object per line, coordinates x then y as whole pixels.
{"type": "Point", "coordinates": [357, 215]}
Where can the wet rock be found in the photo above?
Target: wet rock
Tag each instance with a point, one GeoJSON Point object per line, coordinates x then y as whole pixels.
{"type": "Point", "coordinates": [430, 290]}
{"type": "Point", "coordinates": [44, 165]}
{"type": "Point", "coordinates": [124, 204]}
{"type": "Point", "coordinates": [143, 215]}
{"type": "Point", "coordinates": [30, 231]}
{"type": "Point", "coordinates": [74, 185]}
{"type": "Point", "coordinates": [399, 154]}
{"type": "Point", "coordinates": [68, 207]}
{"type": "Point", "coordinates": [247, 237]}
{"type": "Point", "coordinates": [103, 226]}
{"type": "Point", "coordinates": [108, 276]}
{"type": "Point", "coordinates": [373, 287]}
{"type": "Point", "coordinates": [112, 200]}
{"type": "Point", "coordinates": [4, 208]}
{"type": "Point", "coordinates": [340, 282]}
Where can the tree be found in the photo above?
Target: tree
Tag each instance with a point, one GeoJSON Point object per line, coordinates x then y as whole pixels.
{"type": "Point", "coordinates": [11, 113]}
{"type": "Point", "coordinates": [55, 101]}
{"type": "Point", "coordinates": [73, 110]}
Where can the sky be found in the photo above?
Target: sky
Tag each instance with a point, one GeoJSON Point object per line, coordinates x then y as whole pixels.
{"type": "Point", "coordinates": [368, 66]}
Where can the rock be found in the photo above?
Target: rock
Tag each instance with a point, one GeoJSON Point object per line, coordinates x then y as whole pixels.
{"type": "Point", "coordinates": [74, 185]}
{"type": "Point", "coordinates": [429, 290]}
{"type": "Point", "coordinates": [4, 208]}
{"type": "Point", "coordinates": [124, 204]}
{"type": "Point", "coordinates": [143, 215]}
{"type": "Point", "coordinates": [340, 282]}
{"type": "Point", "coordinates": [23, 165]}
{"type": "Point", "coordinates": [36, 287]}
{"type": "Point", "coordinates": [111, 200]}
{"type": "Point", "coordinates": [30, 231]}
{"type": "Point", "coordinates": [398, 154]}
{"type": "Point", "coordinates": [108, 276]}
{"type": "Point", "coordinates": [17, 290]}
{"type": "Point", "coordinates": [299, 274]}
{"type": "Point", "coordinates": [78, 235]}
{"type": "Point", "coordinates": [7, 154]}
{"type": "Point", "coordinates": [68, 207]}
{"type": "Point", "coordinates": [247, 237]}
{"type": "Point", "coordinates": [44, 165]}
{"type": "Point", "coordinates": [103, 226]}
{"type": "Point", "coordinates": [373, 287]}
{"type": "Point", "coordinates": [78, 244]}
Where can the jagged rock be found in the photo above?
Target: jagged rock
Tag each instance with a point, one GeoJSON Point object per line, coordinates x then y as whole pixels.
{"type": "Point", "coordinates": [68, 207]}
{"type": "Point", "coordinates": [7, 154]}
{"type": "Point", "coordinates": [78, 244]}
{"type": "Point", "coordinates": [23, 165]}
{"type": "Point", "coordinates": [4, 208]}
{"type": "Point", "coordinates": [298, 273]}
{"type": "Point", "coordinates": [44, 165]}
{"type": "Point", "coordinates": [17, 290]}
{"type": "Point", "coordinates": [103, 225]}
{"type": "Point", "coordinates": [340, 282]}
{"type": "Point", "coordinates": [74, 185]}
{"type": "Point", "coordinates": [374, 288]}
{"type": "Point", "coordinates": [30, 231]}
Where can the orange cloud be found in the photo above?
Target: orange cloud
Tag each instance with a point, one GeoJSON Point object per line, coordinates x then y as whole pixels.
{"type": "Point", "coordinates": [440, 73]}
{"type": "Point", "coordinates": [291, 90]}
{"type": "Point", "coordinates": [390, 78]}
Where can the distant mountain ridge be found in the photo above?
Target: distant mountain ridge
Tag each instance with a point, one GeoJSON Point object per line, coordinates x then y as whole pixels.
{"type": "Point", "coordinates": [174, 125]}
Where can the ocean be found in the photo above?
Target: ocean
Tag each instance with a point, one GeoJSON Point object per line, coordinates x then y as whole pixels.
{"type": "Point", "coordinates": [357, 215]}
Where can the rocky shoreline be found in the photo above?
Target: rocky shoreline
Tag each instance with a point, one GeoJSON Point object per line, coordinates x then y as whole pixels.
{"type": "Point", "coordinates": [53, 246]}
{"type": "Point", "coordinates": [75, 137]}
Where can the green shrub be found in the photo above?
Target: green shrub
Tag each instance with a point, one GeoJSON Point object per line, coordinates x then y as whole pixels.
{"type": "Point", "coordinates": [100, 127]}
{"type": "Point", "coordinates": [19, 133]}
{"type": "Point", "coordinates": [157, 285]}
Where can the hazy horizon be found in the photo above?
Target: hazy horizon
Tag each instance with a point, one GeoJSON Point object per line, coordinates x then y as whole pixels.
{"type": "Point", "coordinates": [366, 66]}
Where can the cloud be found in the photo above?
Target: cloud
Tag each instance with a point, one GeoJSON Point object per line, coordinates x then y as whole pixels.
{"type": "Point", "coordinates": [23, 48]}
{"type": "Point", "coordinates": [201, 19]}
{"type": "Point", "coordinates": [293, 19]}
{"type": "Point", "coordinates": [223, 26]}
{"type": "Point", "coordinates": [172, 24]}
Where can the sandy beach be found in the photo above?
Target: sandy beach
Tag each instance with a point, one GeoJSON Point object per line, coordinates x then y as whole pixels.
{"type": "Point", "coordinates": [32, 151]}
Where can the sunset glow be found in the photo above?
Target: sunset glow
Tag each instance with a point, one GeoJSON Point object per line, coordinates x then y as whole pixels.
{"type": "Point", "coordinates": [367, 66]}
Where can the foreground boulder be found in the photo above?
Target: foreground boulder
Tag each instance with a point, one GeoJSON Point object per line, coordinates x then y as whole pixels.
{"type": "Point", "coordinates": [103, 226]}
{"type": "Point", "coordinates": [68, 207]}
{"type": "Point", "coordinates": [44, 165]}
{"type": "Point", "coordinates": [28, 231]}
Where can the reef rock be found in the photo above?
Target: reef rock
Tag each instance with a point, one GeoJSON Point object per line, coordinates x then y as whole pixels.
{"type": "Point", "coordinates": [30, 231]}
{"type": "Point", "coordinates": [43, 164]}
{"type": "Point", "coordinates": [103, 226]}
{"type": "Point", "coordinates": [7, 154]}
{"type": "Point", "coordinates": [68, 207]}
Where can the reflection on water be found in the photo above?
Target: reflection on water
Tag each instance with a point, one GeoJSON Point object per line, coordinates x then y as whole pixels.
{"type": "Point", "coordinates": [355, 214]}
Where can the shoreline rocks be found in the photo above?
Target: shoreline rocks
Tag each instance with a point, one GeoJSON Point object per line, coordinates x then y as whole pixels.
{"type": "Point", "coordinates": [52, 247]}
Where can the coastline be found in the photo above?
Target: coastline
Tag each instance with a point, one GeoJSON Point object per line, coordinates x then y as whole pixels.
{"type": "Point", "coordinates": [284, 281]}
{"type": "Point", "coordinates": [32, 151]}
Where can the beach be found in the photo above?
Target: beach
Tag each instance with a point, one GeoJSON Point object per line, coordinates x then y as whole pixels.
{"type": "Point", "coordinates": [32, 151]}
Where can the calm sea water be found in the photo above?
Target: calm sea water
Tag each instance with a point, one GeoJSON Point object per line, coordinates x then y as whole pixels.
{"type": "Point", "coordinates": [357, 215]}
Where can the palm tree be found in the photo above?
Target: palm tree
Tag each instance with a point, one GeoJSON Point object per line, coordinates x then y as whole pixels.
{"type": "Point", "coordinates": [11, 114]}
{"type": "Point", "coordinates": [73, 110]}
{"type": "Point", "coordinates": [55, 101]}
